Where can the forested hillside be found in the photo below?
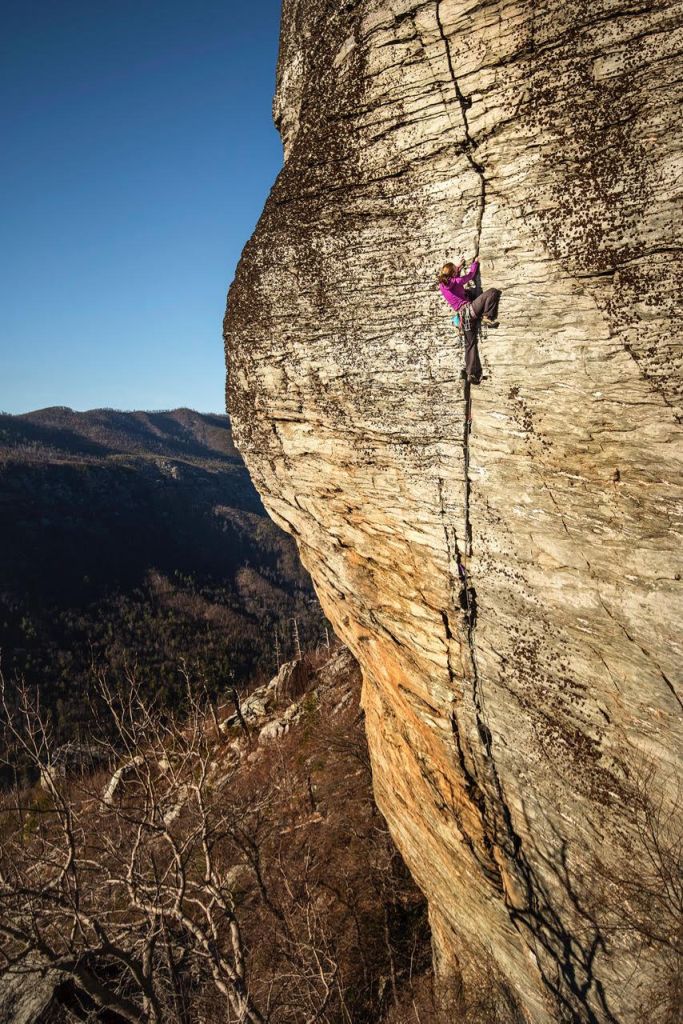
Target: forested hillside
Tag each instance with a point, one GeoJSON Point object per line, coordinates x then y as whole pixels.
{"type": "Point", "coordinates": [136, 541]}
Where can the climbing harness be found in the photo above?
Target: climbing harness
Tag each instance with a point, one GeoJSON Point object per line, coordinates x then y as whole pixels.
{"type": "Point", "coordinates": [463, 319]}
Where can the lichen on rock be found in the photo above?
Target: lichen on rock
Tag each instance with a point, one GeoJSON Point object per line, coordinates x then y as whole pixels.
{"type": "Point", "coordinates": [513, 717]}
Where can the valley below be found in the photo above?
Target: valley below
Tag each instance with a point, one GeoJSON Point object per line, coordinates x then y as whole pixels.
{"type": "Point", "coordinates": [136, 543]}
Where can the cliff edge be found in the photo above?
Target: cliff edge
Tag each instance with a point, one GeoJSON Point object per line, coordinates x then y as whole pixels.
{"type": "Point", "coordinates": [510, 587]}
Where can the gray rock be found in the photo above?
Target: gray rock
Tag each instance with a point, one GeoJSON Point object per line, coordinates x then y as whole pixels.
{"type": "Point", "coordinates": [273, 731]}
{"type": "Point", "coordinates": [253, 707]}
{"type": "Point", "coordinates": [290, 681]}
{"type": "Point", "coordinates": [280, 726]}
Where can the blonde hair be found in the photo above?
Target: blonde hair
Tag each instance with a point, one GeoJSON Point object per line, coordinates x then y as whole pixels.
{"type": "Point", "coordinates": [447, 271]}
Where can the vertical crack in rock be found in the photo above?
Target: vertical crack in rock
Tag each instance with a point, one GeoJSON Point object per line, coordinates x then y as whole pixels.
{"type": "Point", "coordinates": [468, 596]}
{"type": "Point", "coordinates": [467, 429]}
{"type": "Point", "coordinates": [467, 593]}
{"type": "Point", "coordinates": [470, 144]}
{"type": "Point", "coordinates": [573, 956]}
{"type": "Point", "coordinates": [574, 980]}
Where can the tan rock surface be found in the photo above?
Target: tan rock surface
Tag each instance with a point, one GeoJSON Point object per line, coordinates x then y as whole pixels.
{"type": "Point", "coordinates": [511, 733]}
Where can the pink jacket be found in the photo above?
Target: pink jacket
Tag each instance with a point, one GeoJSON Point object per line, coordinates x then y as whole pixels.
{"type": "Point", "coordinates": [454, 290]}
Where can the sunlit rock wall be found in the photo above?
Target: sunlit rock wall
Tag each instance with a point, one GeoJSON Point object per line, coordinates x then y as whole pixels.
{"type": "Point", "coordinates": [512, 591]}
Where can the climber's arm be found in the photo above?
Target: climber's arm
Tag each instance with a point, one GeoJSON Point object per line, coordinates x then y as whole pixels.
{"type": "Point", "coordinates": [471, 273]}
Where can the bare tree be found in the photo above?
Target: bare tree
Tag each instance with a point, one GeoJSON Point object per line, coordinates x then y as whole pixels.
{"type": "Point", "coordinates": [190, 878]}
{"type": "Point", "coordinates": [296, 638]}
{"type": "Point", "coordinates": [118, 894]}
{"type": "Point", "coordinates": [278, 652]}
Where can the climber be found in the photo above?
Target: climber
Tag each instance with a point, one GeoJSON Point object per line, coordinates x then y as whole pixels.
{"type": "Point", "coordinates": [470, 312]}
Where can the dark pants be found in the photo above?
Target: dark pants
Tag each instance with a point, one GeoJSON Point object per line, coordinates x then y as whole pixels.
{"type": "Point", "coordinates": [485, 304]}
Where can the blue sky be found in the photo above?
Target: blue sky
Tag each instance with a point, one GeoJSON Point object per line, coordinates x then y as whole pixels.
{"type": "Point", "coordinates": [137, 152]}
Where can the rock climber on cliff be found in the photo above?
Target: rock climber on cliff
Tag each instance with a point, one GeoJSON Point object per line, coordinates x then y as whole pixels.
{"type": "Point", "coordinates": [470, 312]}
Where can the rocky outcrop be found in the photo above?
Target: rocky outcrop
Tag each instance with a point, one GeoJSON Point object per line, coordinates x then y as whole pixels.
{"type": "Point", "coordinates": [257, 710]}
{"type": "Point", "coordinates": [510, 587]}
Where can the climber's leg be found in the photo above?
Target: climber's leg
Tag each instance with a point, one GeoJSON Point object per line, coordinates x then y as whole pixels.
{"type": "Point", "coordinates": [472, 361]}
{"type": "Point", "coordinates": [485, 305]}
{"type": "Point", "coordinates": [493, 314]}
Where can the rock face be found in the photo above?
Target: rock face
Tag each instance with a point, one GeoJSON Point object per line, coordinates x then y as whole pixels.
{"type": "Point", "coordinates": [512, 591]}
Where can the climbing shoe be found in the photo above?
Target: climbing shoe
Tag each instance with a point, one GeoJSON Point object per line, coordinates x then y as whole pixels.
{"type": "Point", "coordinates": [489, 323]}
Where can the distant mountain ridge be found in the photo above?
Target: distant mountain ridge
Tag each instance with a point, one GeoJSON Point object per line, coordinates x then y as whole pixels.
{"type": "Point", "coordinates": [175, 433]}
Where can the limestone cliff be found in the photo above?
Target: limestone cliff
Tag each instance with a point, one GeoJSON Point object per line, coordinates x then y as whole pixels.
{"type": "Point", "coordinates": [512, 590]}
